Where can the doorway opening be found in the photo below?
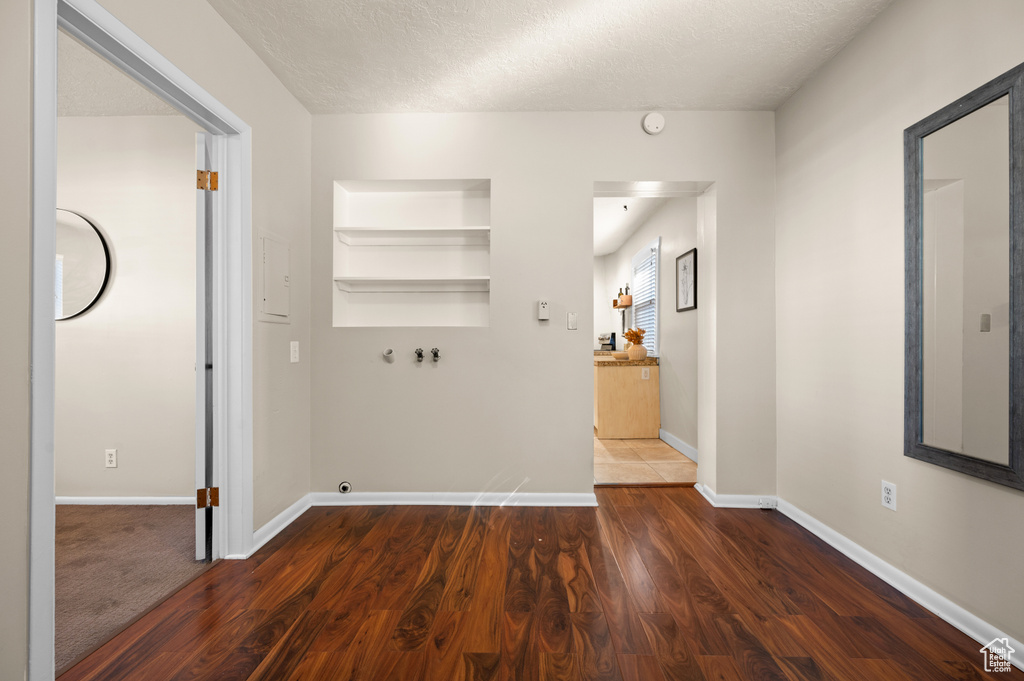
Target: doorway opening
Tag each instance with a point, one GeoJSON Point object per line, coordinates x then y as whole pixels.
{"type": "Point", "coordinates": [125, 375]}
{"type": "Point", "coordinates": [645, 350]}
{"type": "Point", "coordinates": [227, 359]}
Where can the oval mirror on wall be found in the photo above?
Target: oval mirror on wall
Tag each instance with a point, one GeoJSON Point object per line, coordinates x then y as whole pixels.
{"type": "Point", "coordinates": [82, 267]}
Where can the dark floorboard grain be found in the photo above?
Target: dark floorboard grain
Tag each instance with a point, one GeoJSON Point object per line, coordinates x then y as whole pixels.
{"type": "Point", "coordinates": [655, 585]}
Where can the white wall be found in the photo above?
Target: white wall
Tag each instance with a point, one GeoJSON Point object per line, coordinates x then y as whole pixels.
{"type": "Point", "coordinates": [198, 41]}
{"type": "Point", "coordinates": [840, 304]}
{"type": "Point", "coordinates": [125, 371]}
{"type": "Point", "coordinates": [676, 223]}
{"type": "Point", "coordinates": [15, 279]}
{"type": "Point", "coordinates": [510, 406]}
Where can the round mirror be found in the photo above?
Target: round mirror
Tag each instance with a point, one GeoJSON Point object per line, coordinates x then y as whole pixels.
{"type": "Point", "coordinates": [83, 265]}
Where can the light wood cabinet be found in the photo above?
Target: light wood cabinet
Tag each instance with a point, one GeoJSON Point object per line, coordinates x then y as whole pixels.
{"type": "Point", "coordinates": [626, 405]}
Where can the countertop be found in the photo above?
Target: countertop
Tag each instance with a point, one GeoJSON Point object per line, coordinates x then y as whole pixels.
{"type": "Point", "coordinates": [609, 361]}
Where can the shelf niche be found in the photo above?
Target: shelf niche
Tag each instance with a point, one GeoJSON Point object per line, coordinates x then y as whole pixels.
{"type": "Point", "coordinates": [412, 253]}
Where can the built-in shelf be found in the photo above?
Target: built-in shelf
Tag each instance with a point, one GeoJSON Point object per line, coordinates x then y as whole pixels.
{"type": "Point", "coordinates": [412, 285]}
{"type": "Point", "coordinates": [412, 253]}
{"type": "Point", "coordinates": [413, 236]}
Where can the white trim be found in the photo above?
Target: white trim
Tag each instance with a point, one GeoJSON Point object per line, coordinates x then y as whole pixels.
{"type": "Point", "coordinates": [42, 513]}
{"type": "Point", "coordinates": [96, 27]}
{"type": "Point", "coordinates": [967, 622]}
{"type": "Point", "coordinates": [687, 450]}
{"type": "Point", "coordinates": [452, 499]}
{"type": "Point", "coordinates": [271, 529]}
{"type": "Point", "coordinates": [736, 500]}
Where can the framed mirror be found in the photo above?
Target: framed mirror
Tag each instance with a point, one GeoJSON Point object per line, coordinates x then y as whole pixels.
{"type": "Point", "coordinates": [82, 265]}
{"type": "Point", "coordinates": [964, 369]}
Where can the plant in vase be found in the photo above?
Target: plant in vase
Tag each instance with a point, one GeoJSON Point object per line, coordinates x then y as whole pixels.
{"type": "Point", "coordinates": [636, 350]}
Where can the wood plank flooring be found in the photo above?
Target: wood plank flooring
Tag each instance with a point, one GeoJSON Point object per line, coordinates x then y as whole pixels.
{"type": "Point", "coordinates": [654, 585]}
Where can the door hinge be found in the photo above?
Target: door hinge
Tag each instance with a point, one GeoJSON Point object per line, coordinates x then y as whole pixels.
{"type": "Point", "coordinates": [207, 497]}
{"type": "Point", "coordinates": [206, 179]}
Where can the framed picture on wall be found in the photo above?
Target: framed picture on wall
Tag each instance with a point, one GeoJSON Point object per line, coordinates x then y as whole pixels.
{"type": "Point", "coordinates": [686, 281]}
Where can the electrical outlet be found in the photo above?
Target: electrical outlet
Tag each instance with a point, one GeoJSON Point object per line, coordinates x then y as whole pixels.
{"type": "Point", "coordinates": [543, 310]}
{"type": "Point", "coordinates": [645, 374]}
{"type": "Point", "coordinates": [294, 348]}
{"type": "Point", "coordinates": [767, 503]}
{"type": "Point", "coordinates": [110, 456]}
{"type": "Point", "coordinates": [889, 495]}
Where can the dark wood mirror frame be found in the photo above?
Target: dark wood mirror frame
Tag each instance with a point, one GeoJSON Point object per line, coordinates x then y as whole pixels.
{"type": "Point", "coordinates": [1010, 83]}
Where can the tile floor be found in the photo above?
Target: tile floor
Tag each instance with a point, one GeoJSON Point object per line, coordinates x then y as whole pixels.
{"type": "Point", "coordinates": [641, 462]}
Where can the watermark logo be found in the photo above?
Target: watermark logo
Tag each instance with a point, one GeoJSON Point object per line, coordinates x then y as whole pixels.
{"type": "Point", "coordinates": [998, 655]}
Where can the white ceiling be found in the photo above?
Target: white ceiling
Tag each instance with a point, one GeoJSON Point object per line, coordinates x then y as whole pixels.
{"type": "Point", "coordinates": [621, 207]}
{"type": "Point", "coordinates": [341, 56]}
{"type": "Point", "coordinates": [613, 225]}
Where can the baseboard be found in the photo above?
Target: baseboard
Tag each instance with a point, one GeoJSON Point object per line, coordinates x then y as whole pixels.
{"type": "Point", "coordinates": [126, 501]}
{"type": "Point", "coordinates": [761, 501]}
{"type": "Point", "coordinates": [683, 448]}
{"type": "Point", "coordinates": [279, 522]}
{"type": "Point", "coordinates": [452, 499]}
{"type": "Point", "coordinates": [967, 622]}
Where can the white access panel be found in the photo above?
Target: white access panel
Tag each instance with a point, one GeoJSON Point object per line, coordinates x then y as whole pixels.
{"type": "Point", "coordinates": [276, 285]}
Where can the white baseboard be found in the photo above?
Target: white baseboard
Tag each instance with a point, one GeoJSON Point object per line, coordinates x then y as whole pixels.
{"type": "Point", "coordinates": [452, 499]}
{"type": "Point", "coordinates": [279, 522]}
{"type": "Point", "coordinates": [972, 625]}
{"type": "Point", "coordinates": [683, 448]}
{"type": "Point", "coordinates": [126, 501]}
{"type": "Point", "coordinates": [967, 622]}
{"type": "Point", "coordinates": [762, 501]}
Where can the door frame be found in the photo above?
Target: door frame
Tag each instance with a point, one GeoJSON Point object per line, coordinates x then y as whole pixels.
{"type": "Point", "coordinates": [232, 298]}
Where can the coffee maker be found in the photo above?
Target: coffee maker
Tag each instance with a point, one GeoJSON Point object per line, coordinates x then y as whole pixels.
{"type": "Point", "coordinates": [607, 341]}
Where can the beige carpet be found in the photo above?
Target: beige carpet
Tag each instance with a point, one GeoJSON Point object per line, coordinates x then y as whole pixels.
{"type": "Point", "coordinates": [114, 563]}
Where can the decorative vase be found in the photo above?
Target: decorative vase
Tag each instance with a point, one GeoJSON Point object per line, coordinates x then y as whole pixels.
{"type": "Point", "coordinates": [637, 351]}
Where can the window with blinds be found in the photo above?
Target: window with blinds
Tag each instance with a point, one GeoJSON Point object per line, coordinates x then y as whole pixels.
{"type": "Point", "coordinates": [645, 293]}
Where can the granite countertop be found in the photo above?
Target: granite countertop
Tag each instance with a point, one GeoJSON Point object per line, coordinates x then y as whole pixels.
{"type": "Point", "coordinates": [602, 353]}
{"type": "Point", "coordinates": [609, 361]}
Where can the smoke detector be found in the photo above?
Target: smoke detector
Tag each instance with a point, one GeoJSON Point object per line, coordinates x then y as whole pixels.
{"type": "Point", "coordinates": [653, 123]}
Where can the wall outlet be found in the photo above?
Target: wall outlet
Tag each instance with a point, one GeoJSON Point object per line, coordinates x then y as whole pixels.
{"type": "Point", "coordinates": [889, 495]}
{"type": "Point", "coordinates": [543, 310]}
{"type": "Point", "coordinates": [110, 457]}
{"type": "Point", "coordinates": [645, 373]}
{"type": "Point", "coordinates": [767, 503]}
{"type": "Point", "coordinates": [294, 347]}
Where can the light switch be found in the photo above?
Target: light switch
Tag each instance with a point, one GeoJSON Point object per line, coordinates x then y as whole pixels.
{"type": "Point", "coordinates": [571, 321]}
{"type": "Point", "coordinates": [295, 351]}
{"type": "Point", "coordinates": [543, 311]}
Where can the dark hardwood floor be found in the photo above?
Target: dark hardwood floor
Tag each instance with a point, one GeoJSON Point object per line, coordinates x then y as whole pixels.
{"type": "Point", "coordinates": [654, 584]}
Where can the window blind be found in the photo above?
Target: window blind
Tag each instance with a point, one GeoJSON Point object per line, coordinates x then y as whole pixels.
{"type": "Point", "coordinates": [645, 294]}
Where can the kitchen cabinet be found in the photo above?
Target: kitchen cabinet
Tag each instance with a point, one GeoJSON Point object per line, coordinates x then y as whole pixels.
{"type": "Point", "coordinates": [626, 405]}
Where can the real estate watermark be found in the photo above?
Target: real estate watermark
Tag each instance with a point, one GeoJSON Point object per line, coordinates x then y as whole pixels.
{"type": "Point", "coordinates": [998, 655]}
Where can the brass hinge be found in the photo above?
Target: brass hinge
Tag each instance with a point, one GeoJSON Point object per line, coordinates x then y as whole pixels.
{"type": "Point", "coordinates": [206, 179]}
{"type": "Point", "coordinates": [207, 497]}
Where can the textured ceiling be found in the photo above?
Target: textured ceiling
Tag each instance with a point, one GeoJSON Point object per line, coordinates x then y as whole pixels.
{"type": "Point", "coordinates": [341, 56]}
{"type": "Point", "coordinates": [88, 85]}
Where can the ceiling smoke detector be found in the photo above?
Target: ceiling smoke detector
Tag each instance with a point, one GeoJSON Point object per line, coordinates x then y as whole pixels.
{"type": "Point", "coordinates": [653, 123]}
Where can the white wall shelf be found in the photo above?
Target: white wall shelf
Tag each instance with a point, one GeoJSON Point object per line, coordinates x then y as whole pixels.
{"type": "Point", "coordinates": [411, 285]}
{"type": "Point", "coordinates": [412, 253]}
{"type": "Point", "coordinates": [413, 236]}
